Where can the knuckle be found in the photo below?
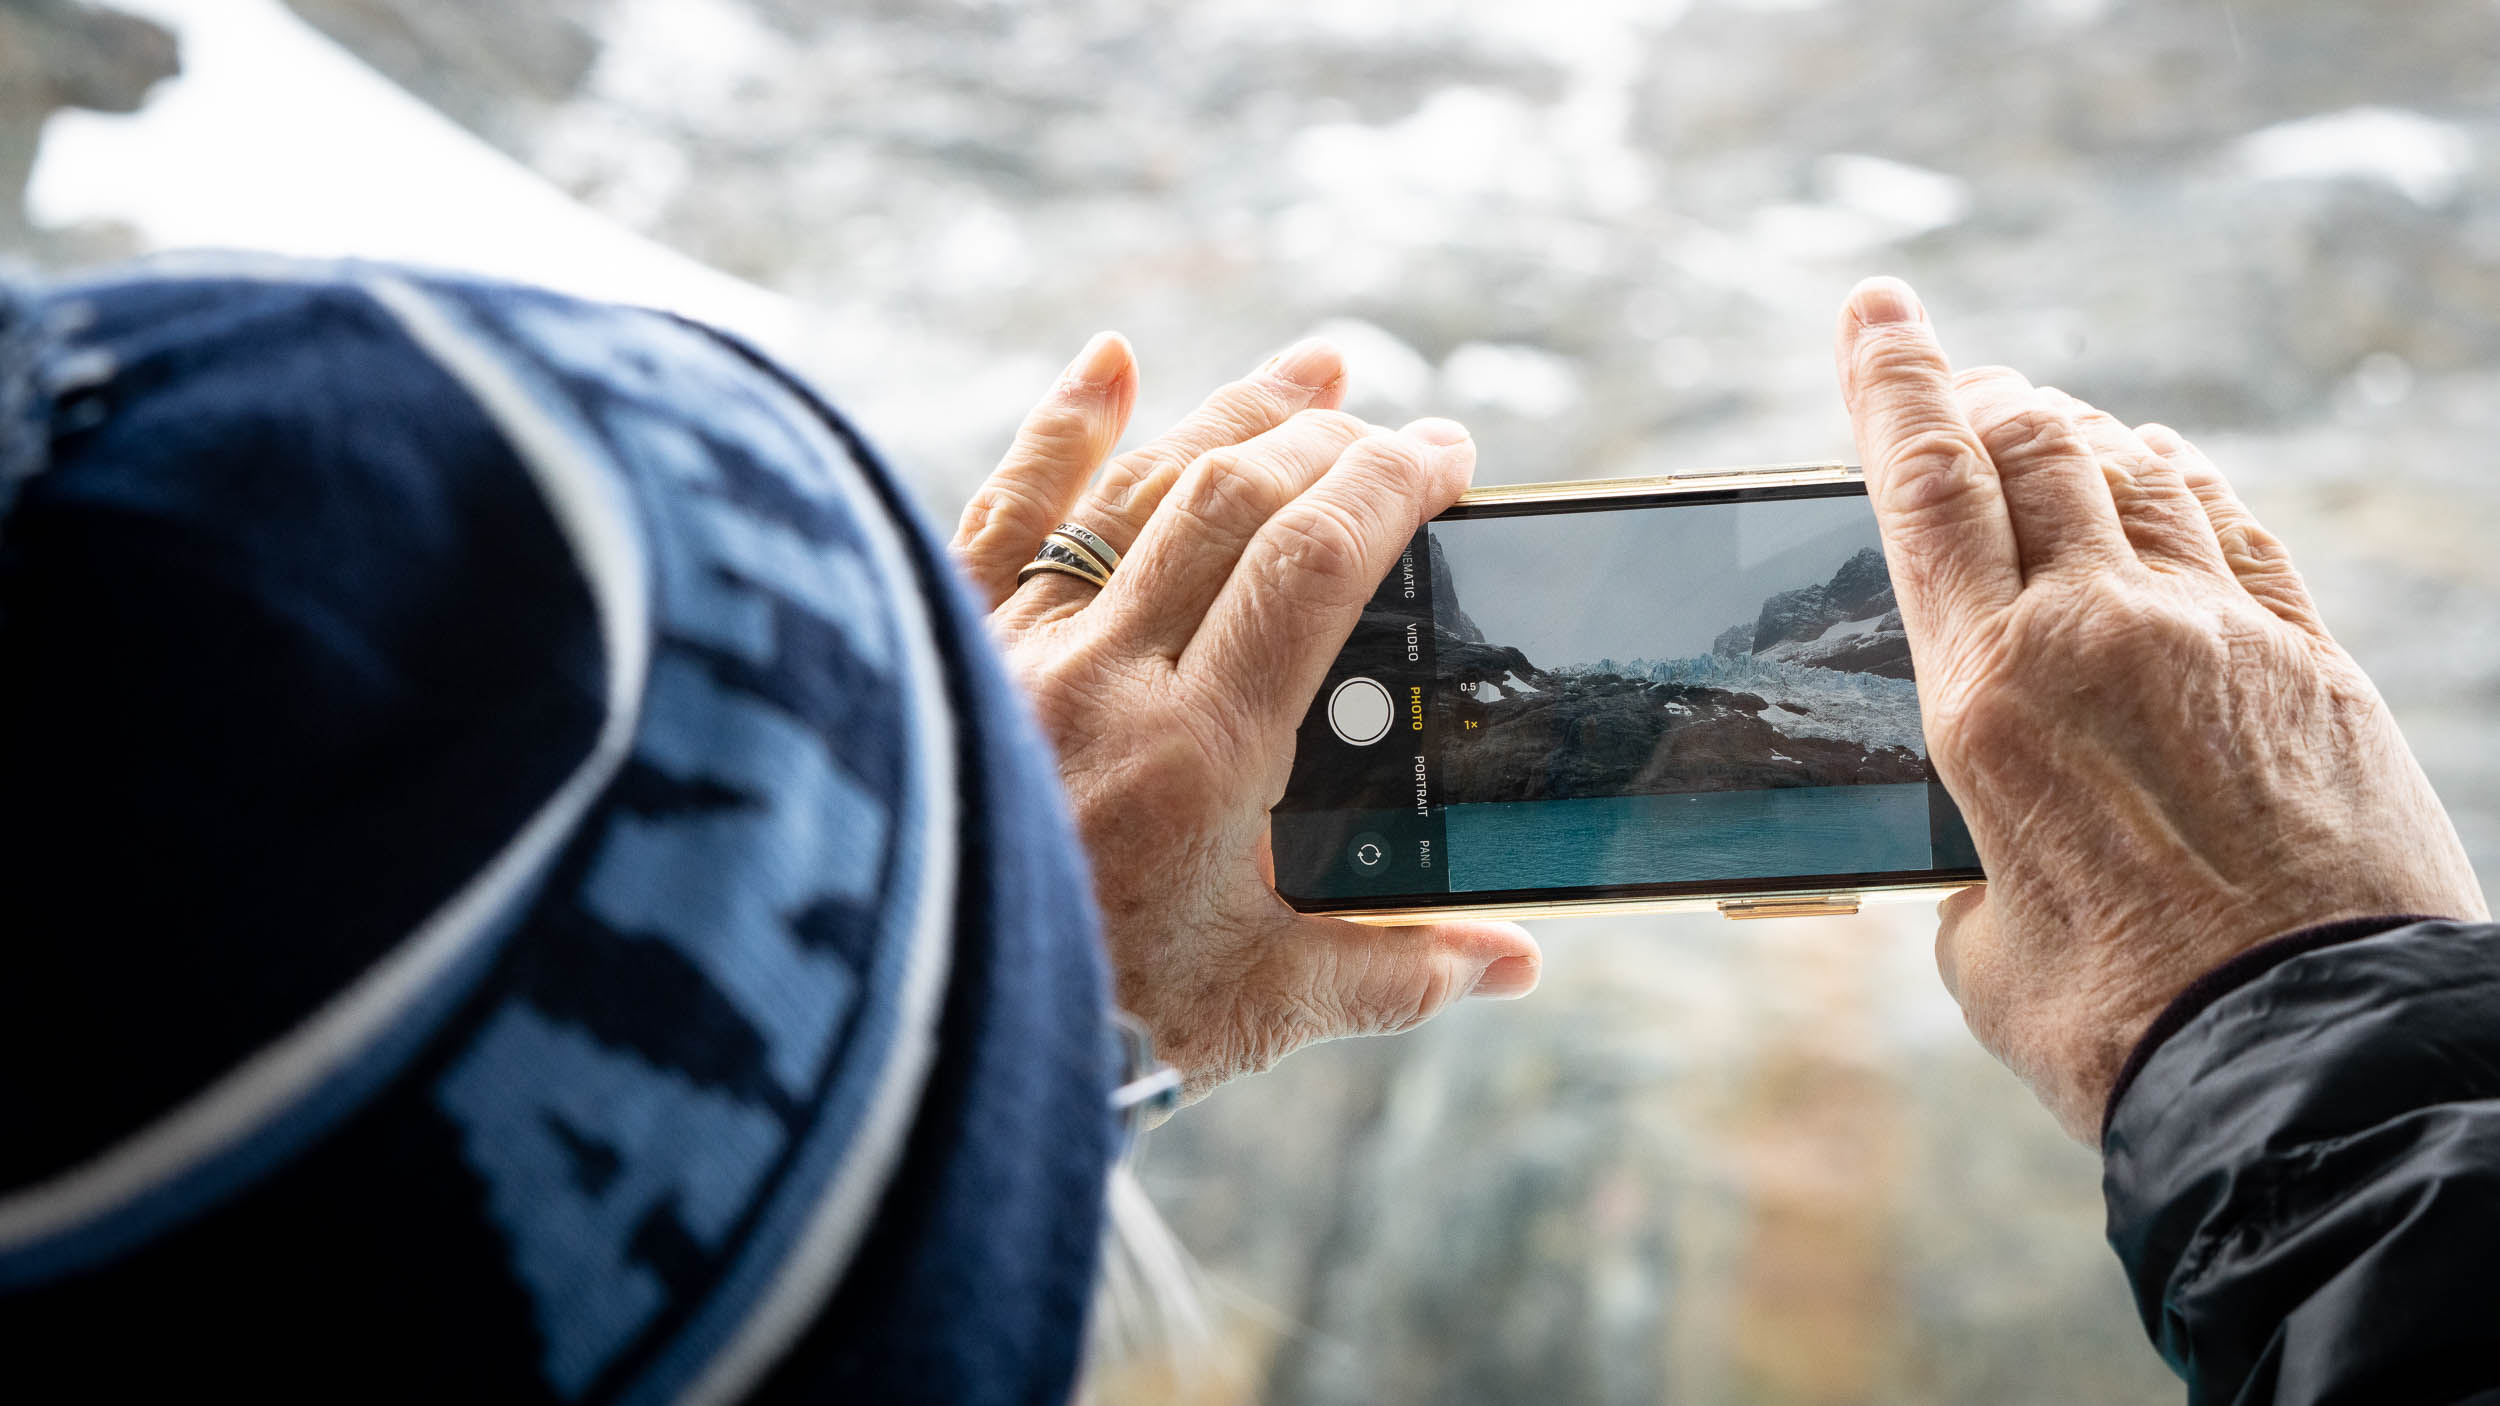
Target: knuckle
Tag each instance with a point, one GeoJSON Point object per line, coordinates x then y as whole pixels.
{"type": "Point", "coordinates": [1055, 426]}
{"type": "Point", "coordinates": [2208, 483]}
{"type": "Point", "coordinates": [2092, 419]}
{"type": "Point", "coordinates": [1333, 421]}
{"type": "Point", "coordinates": [1321, 540]}
{"type": "Point", "coordinates": [1408, 1003]}
{"type": "Point", "coordinates": [2250, 548]}
{"type": "Point", "coordinates": [1896, 352]}
{"type": "Point", "coordinates": [2031, 433]}
{"type": "Point", "coordinates": [969, 526]}
{"type": "Point", "coordinates": [1390, 1013]}
{"type": "Point", "coordinates": [999, 519]}
{"type": "Point", "coordinates": [2151, 471]}
{"type": "Point", "coordinates": [2220, 508]}
{"type": "Point", "coordinates": [2131, 486]}
{"type": "Point", "coordinates": [1934, 468]}
{"type": "Point", "coordinates": [2165, 441]}
{"type": "Point", "coordinates": [1005, 496]}
{"type": "Point", "coordinates": [1979, 376]}
{"type": "Point", "coordinates": [1246, 408]}
{"type": "Point", "coordinates": [1390, 464]}
{"type": "Point", "coordinates": [1226, 486]}
{"type": "Point", "coordinates": [1135, 479]}
{"type": "Point", "coordinates": [1219, 463]}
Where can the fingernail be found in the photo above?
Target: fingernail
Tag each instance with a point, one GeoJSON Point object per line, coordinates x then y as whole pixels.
{"type": "Point", "coordinates": [1506, 980]}
{"type": "Point", "coordinates": [1435, 430]}
{"type": "Point", "coordinates": [2159, 438]}
{"type": "Point", "coordinates": [1311, 363]}
{"type": "Point", "coordinates": [1100, 362]}
{"type": "Point", "coordinates": [1882, 300]}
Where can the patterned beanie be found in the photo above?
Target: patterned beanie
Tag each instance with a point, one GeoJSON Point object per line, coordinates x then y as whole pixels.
{"type": "Point", "coordinates": [524, 882]}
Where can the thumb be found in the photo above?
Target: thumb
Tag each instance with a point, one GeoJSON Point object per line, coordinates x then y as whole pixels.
{"type": "Point", "coordinates": [1965, 927]}
{"type": "Point", "coordinates": [1378, 981]}
{"type": "Point", "coordinates": [1323, 979]}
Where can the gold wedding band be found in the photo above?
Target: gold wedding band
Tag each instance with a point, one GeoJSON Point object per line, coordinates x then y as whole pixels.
{"type": "Point", "coordinates": [1088, 540]}
{"type": "Point", "coordinates": [1032, 569]}
{"type": "Point", "coordinates": [1067, 561]}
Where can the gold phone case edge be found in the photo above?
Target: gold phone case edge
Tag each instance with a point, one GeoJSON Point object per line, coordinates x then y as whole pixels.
{"type": "Point", "coordinates": [1795, 903]}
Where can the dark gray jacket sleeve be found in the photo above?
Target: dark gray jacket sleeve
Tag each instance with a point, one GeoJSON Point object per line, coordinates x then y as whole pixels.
{"type": "Point", "coordinates": [2302, 1167]}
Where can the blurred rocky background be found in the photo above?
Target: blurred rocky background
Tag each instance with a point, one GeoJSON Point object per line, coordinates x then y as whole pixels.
{"type": "Point", "coordinates": [1708, 1162]}
{"type": "Point", "coordinates": [57, 54]}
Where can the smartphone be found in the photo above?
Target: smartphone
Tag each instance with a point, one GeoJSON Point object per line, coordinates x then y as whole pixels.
{"type": "Point", "coordinates": [1625, 695]}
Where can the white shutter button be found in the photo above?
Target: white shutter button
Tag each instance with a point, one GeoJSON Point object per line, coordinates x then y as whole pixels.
{"type": "Point", "coordinates": [1360, 711]}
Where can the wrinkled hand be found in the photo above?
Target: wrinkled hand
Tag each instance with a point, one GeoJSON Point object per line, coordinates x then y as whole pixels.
{"type": "Point", "coordinates": [2163, 756]}
{"type": "Point", "coordinates": [1252, 535]}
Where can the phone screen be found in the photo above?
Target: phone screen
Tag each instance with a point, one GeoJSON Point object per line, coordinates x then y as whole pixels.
{"type": "Point", "coordinates": [1635, 698]}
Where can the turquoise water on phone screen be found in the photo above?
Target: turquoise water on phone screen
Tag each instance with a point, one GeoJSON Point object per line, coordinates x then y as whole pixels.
{"type": "Point", "coordinates": [1688, 838]}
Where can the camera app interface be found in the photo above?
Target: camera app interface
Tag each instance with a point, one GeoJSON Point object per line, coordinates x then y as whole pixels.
{"type": "Point", "coordinates": [1621, 698]}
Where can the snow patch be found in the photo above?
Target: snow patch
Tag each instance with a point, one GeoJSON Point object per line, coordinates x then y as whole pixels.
{"type": "Point", "coordinates": [1864, 202]}
{"type": "Point", "coordinates": [226, 156]}
{"type": "Point", "coordinates": [1910, 199]}
{"type": "Point", "coordinates": [1844, 706]}
{"type": "Point", "coordinates": [2423, 158]}
{"type": "Point", "coordinates": [1850, 629]}
{"type": "Point", "coordinates": [1529, 382]}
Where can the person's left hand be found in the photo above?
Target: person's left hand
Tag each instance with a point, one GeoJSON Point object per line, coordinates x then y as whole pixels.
{"type": "Point", "coordinates": [1252, 534]}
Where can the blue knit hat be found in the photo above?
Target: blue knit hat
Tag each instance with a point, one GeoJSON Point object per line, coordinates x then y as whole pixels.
{"type": "Point", "coordinates": [22, 430]}
{"type": "Point", "coordinates": [525, 883]}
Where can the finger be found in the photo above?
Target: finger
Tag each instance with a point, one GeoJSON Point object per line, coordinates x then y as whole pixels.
{"type": "Point", "coordinates": [1379, 981]}
{"type": "Point", "coordinates": [2055, 493]}
{"type": "Point", "coordinates": [1310, 374]}
{"type": "Point", "coordinates": [1288, 607]}
{"type": "Point", "coordinates": [2161, 516]}
{"type": "Point", "coordinates": [1323, 979]}
{"type": "Point", "coordinates": [1062, 441]}
{"type": "Point", "coordinates": [1947, 538]}
{"type": "Point", "coordinates": [2257, 558]}
{"type": "Point", "coordinates": [1961, 924]}
{"type": "Point", "coordinates": [1164, 587]}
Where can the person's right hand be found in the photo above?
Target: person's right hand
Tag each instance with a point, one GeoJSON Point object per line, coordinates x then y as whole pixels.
{"type": "Point", "coordinates": [2162, 755]}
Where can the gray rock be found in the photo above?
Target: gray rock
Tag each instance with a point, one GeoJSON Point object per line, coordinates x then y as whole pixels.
{"type": "Point", "coordinates": [1860, 589]}
{"type": "Point", "coordinates": [1448, 616]}
{"type": "Point", "coordinates": [498, 68]}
